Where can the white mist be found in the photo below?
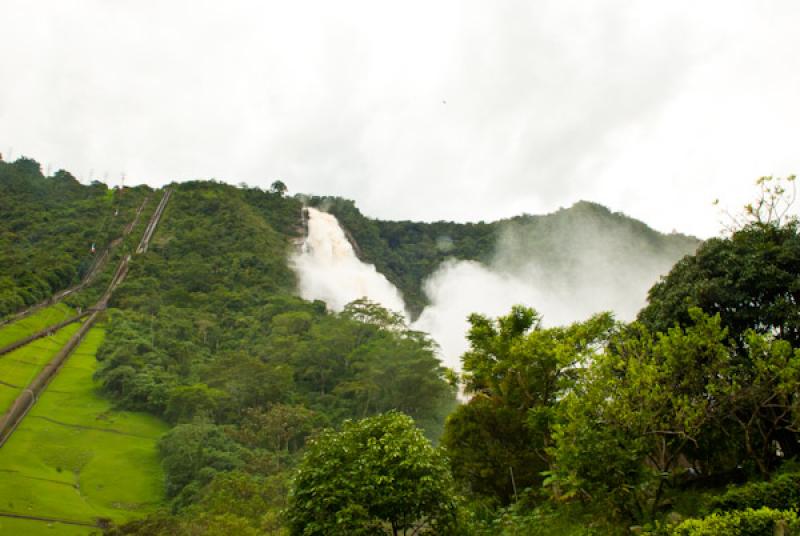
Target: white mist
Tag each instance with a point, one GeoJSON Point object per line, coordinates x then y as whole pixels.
{"type": "Point", "coordinates": [603, 274]}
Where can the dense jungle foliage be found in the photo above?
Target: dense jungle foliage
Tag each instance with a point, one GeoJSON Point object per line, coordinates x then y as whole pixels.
{"type": "Point", "coordinates": [206, 333]}
{"type": "Point", "coordinates": [607, 425]}
{"type": "Point", "coordinates": [685, 427]}
{"type": "Point", "coordinates": [48, 226]}
{"type": "Point", "coordinates": [289, 419]}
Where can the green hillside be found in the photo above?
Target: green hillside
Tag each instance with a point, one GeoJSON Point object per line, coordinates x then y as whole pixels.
{"type": "Point", "coordinates": [76, 458]}
{"type": "Point", "coordinates": [47, 228]}
{"type": "Point", "coordinates": [20, 366]}
{"type": "Point", "coordinates": [211, 399]}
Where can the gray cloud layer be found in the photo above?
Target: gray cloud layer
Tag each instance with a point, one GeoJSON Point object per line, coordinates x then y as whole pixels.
{"type": "Point", "coordinates": [651, 108]}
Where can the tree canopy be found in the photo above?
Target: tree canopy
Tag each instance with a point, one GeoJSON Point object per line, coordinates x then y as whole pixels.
{"type": "Point", "coordinates": [47, 228]}
{"type": "Point", "coordinates": [375, 476]}
{"type": "Point", "coordinates": [516, 371]}
{"type": "Point", "coordinates": [752, 279]}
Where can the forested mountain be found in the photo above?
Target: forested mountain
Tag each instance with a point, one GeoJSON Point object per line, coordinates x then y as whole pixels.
{"type": "Point", "coordinates": [207, 333]}
{"type": "Point", "coordinates": [287, 418]}
{"type": "Point", "coordinates": [48, 226]}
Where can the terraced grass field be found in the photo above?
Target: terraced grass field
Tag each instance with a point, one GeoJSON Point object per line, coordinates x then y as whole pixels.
{"type": "Point", "coordinates": [36, 322]}
{"type": "Point", "coordinates": [75, 458]}
{"type": "Point", "coordinates": [19, 367]}
{"type": "Point", "coordinates": [26, 527]}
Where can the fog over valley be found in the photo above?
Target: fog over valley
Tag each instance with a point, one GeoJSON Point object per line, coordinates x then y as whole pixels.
{"type": "Point", "coordinates": [568, 266]}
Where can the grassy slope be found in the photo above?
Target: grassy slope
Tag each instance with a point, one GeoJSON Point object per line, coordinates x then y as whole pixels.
{"type": "Point", "coordinates": [76, 458]}
{"type": "Point", "coordinates": [36, 322]}
{"type": "Point", "coordinates": [39, 528]}
{"type": "Point", "coordinates": [20, 367]}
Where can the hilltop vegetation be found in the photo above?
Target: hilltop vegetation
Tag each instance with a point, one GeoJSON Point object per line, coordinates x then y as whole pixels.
{"type": "Point", "coordinates": [47, 228]}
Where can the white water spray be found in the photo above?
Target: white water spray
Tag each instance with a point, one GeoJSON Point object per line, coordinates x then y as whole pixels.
{"type": "Point", "coordinates": [603, 274]}
{"type": "Point", "coordinates": [329, 270]}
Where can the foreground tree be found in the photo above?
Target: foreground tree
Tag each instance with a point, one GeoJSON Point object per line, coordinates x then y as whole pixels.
{"type": "Point", "coordinates": [376, 476]}
{"type": "Point", "coordinates": [750, 278]}
{"type": "Point", "coordinates": [660, 411]}
{"type": "Point", "coordinates": [517, 371]}
{"type": "Point", "coordinates": [642, 411]}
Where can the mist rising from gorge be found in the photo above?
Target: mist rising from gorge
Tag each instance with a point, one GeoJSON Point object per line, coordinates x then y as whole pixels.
{"type": "Point", "coordinates": [567, 266]}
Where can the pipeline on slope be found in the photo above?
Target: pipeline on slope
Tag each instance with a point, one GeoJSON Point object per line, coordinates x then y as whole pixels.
{"type": "Point", "coordinates": [98, 264]}
{"type": "Point", "coordinates": [49, 330]}
{"type": "Point", "coordinates": [154, 219]}
{"type": "Point", "coordinates": [25, 401]}
{"type": "Point", "coordinates": [47, 519]}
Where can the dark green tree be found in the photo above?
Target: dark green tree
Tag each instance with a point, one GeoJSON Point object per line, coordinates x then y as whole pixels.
{"type": "Point", "coordinates": [655, 408]}
{"type": "Point", "coordinates": [194, 453]}
{"type": "Point", "coordinates": [376, 476]}
{"type": "Point", "coordinates": [278, 187]}
{"type": "Point", "coordinates": [516, 371]}
{"type": "Point", "coordinates": [751, 278]}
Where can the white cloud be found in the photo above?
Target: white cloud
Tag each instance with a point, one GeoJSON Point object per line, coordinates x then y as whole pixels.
{"type": "Point", "coordinates": [655, 109]}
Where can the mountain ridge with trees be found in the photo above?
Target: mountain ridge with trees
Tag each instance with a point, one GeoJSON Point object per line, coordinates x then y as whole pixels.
{"type": "Point", "coordinates": [684, 421]}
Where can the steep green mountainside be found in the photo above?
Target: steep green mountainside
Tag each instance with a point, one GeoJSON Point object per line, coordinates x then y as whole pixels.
{"type": "Point", "coordinates": [207, 333]}
{"type": "Point", "coordinates": [40, 261]}
{"type": "Point", "coordinates": [207, 347]}
{"type": "Point", "coordinates": [561, 243]}
{"type": "Point", "coordinates": [212, 308]}
{"type": "Point", "coordinates": [47, 228]}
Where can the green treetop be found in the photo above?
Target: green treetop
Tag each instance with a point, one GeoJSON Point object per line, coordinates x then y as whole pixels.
{"type": "Point", "coordinates": [376, 476]}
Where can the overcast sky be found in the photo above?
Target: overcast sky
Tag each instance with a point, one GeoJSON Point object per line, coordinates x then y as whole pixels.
{"type": "Point", "coordinates": [459, 109]}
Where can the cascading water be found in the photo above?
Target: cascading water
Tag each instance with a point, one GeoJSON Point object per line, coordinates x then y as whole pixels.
{"type": "Point", "coordinates": [329, 270]}
{"type": "Point", "coordinates": [608, 277]}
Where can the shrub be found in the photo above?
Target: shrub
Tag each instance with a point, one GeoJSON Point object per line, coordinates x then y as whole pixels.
{"type": "Point", "coordinates": [748, 522]}
{"type": "Point", "coordinates": [781, 493]}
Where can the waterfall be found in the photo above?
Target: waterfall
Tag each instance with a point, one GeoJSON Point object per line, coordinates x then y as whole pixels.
{"type": "Point", "coordinates": [329, 270]}
{"type": "Point", "coordinates": [604, 276]}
